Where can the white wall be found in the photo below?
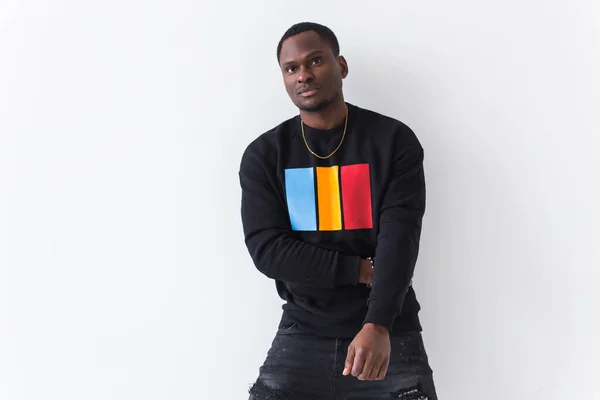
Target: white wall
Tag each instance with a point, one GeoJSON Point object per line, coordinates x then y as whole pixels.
{"type": "Point", "coordinates": [123, 273]}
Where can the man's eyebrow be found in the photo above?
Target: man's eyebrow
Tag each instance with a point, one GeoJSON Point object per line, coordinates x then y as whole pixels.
{"type": "Point", "coordinates": [309, 55]}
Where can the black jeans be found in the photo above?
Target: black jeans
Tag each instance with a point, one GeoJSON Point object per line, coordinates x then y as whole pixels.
{"type": "Point", "coordinates": [304, 367]}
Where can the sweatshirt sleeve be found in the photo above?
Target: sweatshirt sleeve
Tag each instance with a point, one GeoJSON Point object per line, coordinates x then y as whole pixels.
{"type": "Point", "coordinates": [398, 238]}
{"type": "Point", "coordinates": [275, 250]}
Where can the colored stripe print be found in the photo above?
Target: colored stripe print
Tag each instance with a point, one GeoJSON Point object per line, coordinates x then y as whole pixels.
{"type": "Point", "coordinates": [329, 198]}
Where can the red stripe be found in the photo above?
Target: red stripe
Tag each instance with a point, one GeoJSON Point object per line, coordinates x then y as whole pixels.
{"type": "Point", "coordinates": [356, 196]}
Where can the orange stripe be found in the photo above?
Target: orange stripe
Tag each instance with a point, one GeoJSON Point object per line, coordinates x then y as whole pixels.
{"type": "Point", "coordinates": [330, 214]}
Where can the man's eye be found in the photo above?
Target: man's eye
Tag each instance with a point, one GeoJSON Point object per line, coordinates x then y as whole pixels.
{"type": "Point", "coordinates": [316, 61]}
{"type": "Point", "coordinates": [290, 70]}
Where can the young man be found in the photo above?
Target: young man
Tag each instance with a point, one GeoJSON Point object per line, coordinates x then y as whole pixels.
{"type": "Point", "coordinates": [332, 204]}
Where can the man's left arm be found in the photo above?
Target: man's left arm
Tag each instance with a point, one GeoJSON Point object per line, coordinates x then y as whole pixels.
{"type": "Point", "coordinates": [400, 223]}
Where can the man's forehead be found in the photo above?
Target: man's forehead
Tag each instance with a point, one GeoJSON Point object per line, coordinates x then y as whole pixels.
{"type": "Point", "coordinates": [302, 44]}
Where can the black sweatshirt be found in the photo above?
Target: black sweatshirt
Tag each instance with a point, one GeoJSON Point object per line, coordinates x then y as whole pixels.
{"type": "Point", "coordinates": [307, 221]}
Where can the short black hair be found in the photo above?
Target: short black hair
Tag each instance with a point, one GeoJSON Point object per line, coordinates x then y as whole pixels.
{"type": "Point", "coordinates": [324, 32]}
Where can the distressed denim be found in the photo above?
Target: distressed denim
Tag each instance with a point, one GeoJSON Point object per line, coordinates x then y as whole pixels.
{"type": "Point", "coordinates": [300, 366]}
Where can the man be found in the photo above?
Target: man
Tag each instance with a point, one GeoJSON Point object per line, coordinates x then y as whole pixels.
{"type": "Point", "coordinates": [332, 204]}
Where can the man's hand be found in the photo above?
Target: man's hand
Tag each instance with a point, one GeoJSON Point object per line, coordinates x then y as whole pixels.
{"type": "Point", "coordinates": [369, 353]}
{"type": "Point", "coordinates": [365, 274]}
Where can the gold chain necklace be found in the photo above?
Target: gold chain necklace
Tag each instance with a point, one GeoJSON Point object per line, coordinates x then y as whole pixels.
{"type": "Point", "coordinates": [336, 149]}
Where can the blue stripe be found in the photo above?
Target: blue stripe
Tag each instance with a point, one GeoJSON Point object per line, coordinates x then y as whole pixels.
{"type": "Point", "coordinates": [300, 194]}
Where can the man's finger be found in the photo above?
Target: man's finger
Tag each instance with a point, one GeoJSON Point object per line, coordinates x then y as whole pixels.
{"type": "Point", "coordinates": [376, 368]}
{"type": "Point", "coordinates": [383, 369]}
{"type": "Point", "coordinates": [367, 370]}
{"type": "Point", "coordinates": [359, 361]}
{"type": "Point", "coordinates": [349, 361]}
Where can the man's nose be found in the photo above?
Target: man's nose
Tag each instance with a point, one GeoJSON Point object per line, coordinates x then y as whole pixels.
{"type": "Point", "coordinates": [305, 75]}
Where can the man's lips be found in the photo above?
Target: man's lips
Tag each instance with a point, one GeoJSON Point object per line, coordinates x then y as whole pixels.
{"type": "Point", "coordinates": [308, 92]}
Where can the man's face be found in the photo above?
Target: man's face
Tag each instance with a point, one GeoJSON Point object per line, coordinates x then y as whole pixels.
{"type": "Point", "coordinates": [311, 73]}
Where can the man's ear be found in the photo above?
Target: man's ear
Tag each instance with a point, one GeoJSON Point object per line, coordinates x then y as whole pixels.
{"type": "Point", "coordinates": [343, 66]}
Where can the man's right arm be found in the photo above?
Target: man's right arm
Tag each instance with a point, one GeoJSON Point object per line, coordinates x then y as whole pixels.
{"type": "Point", "coordinates": [276, 252]}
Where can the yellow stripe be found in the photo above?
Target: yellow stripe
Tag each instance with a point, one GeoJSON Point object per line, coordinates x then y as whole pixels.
{"type": "Point", "coordinates": [330, 215]}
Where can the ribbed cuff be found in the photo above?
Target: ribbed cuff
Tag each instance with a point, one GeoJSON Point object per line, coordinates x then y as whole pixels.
{"type": "Point", "coordinates": [381, 313]}
{"type": "Point", "coordinates": [348, 270]}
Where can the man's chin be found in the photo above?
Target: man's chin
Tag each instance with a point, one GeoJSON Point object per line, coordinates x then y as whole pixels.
{"type": "Point", "coordinates": [312, 106]}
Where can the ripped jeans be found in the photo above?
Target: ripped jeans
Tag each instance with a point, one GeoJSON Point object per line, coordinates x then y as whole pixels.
{"type": "Point", "coordinates": [300, 366]}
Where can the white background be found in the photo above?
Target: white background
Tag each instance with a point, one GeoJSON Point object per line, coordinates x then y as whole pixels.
{"type": "Point", "coordinates": [123, 273]}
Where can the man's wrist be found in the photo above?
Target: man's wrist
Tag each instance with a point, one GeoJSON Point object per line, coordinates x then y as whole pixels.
{"type": "Point", "coordinates": [378, 328]}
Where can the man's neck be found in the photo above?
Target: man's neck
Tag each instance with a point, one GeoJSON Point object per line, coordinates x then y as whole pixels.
{"type": "Point", "coordinates": [328, 118]}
